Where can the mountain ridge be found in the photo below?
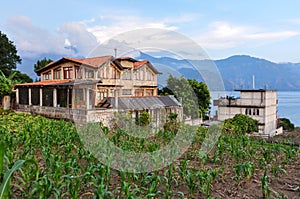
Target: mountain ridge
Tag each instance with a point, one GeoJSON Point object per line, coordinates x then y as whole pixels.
{"type": "Point", "coordinates": [237, 71]}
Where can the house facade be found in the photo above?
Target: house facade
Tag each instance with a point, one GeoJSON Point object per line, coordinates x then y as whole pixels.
{"type": "Point", "coordinates": [261, 105]}
{"type": "Point", "coordinates": [81, 85]}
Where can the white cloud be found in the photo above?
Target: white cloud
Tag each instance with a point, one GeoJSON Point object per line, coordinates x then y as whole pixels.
{"type": "Point", "coordinates": [224, 35]}
{"type": "Point", "coordinates": [115, 24]}
{"type": "Point", "coordinates": [32, 40]}
{"type": "Point", "coordinates": [77, 38]}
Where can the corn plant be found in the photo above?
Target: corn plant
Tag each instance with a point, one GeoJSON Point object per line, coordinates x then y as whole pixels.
{"type": "Point", "coordinates": [265, 186]}
{"type": "Point", "coordinates": [190, 181]}
{"type": "Point", "coordinates": [5, 180]}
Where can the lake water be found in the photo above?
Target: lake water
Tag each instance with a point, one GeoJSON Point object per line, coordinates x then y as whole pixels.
{"type": "Point", "coordinates": [288, 104]}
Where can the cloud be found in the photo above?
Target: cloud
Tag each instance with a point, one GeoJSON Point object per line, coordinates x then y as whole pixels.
{"type": "Point", "coordinates": [71, 39]}
{"type": "Point", "coordinates": [76, 38]}
{"type": "Point", "coordinates": [222, 35]}
{"type": "Point", "coordinates": [32, 40]}
{"type": "Point", "coordinates": [109, 26]}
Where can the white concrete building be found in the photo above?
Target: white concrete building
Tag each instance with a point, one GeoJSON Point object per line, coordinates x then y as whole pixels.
{"type": "Point", "coordinates": [258, 104]}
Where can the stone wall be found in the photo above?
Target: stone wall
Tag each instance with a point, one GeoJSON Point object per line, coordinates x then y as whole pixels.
{"type": "Point", "coordinates": [74, 115]}
{"type": "Point", "coordinates": [82, 116]}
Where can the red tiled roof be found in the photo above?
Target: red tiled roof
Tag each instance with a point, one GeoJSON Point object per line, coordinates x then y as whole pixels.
{"type": "Point", "coordinates": [95, 61]}
{"type": "Point", "coordinates": [139, 63]}
{"type": "Point", "coordinates": [44, 83]}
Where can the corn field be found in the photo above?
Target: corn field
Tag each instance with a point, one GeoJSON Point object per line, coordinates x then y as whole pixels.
{"type": "Point", "coordinates": [55, 164]}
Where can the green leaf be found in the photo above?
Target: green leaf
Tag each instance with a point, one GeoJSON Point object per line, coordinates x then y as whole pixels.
{"type": "Point", "coordinates": [5, 184]}
{"type": "Point", "coordinates": [2, 151]}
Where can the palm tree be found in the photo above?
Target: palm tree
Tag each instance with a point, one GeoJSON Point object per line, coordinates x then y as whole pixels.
{"type": "Point", "coordinates": [6, 86]}
{"type": "Point", "coordinates": [7, 83]}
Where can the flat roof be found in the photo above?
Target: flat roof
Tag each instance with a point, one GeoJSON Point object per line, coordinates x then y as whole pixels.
{"type": "Point", "coordinates": [253, 90]}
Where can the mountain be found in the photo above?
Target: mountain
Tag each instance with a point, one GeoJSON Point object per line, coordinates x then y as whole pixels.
{"type": "Point", "coordinates": [237, 71]}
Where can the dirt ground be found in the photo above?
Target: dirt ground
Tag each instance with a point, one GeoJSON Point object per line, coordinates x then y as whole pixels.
{"type": "Point", "coordinates": [286, 185]}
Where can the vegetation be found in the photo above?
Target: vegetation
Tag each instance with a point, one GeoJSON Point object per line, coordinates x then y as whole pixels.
{"type": "Point", "coordinates": [41, 63]}
{"type": "Point", "coordinates": [9, 58]}
{"type": "Point", "coordinates": [7, 84]}
{"type": "Point", "coordinates": [143, 119]}
{"type": "Point", "coordinates": [61, 167]}
{"type": "Point", "coordinates": [194, 95]}
{"type": "Point", "coordinates": [8, 63]}
{"type": "Point", "coordinates": [286, 124]}
{"type": "Point", "coordinates": [240, 124]}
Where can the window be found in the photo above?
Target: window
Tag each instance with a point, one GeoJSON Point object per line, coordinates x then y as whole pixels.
{"type": "Point", "coordinates": [139, 92]}
{"type": "Point", "coordinates": [248, 111]}
{"type": "Point", "coordinates": [149, 92]}
{"type": "Point", "coordinates": [126, 92]}
{"type": "Point", "coordinates": [139, 74]}
{"type": "Point", "coordinates": [68, 73]}
{"type": "Point", "coordinates": [149, 76]}
{"type": "Point", "coordinates": [78, 72]}
{"type": "Point", "coordinates": [47, 76]}
{"type": "Point", "coordinates": [257, 111]}
{"type": "Point", "coordinates": [100, 74]}
{"type": "Point", "coordinates": [111, 92]}
{"type": "Point", "coordinates": [57, 74]}
{"type": "Point", "coordinates": [126, 75]}
{"type": "Point", "coordinates": [89, 74]}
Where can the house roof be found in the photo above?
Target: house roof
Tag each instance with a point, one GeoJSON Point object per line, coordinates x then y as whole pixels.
{"type": "Point", "coordinates": [139, 63]}
{"type": "Point", "coordinates": [43, 83]}
{"type": "Point", "coordinates": [139, 103]}
{"type": "Point", "coordinates": [253, 90]}
{"type": "Point", "coordinates": [93, 62]}
{"type": "Point", "coordinates": [58, 83]}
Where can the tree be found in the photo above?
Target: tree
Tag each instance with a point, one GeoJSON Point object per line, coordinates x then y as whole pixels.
{"type": "Point", "coordinates": [21, 77]}
{"type": "Point", "coordinates": [202, 94]}
{"type": "Point", "coordinates": [8, 55]}
{"type": "Point", "coordinates": [286, 124]}
{"type": "Point", "coordinates": [41, 63]}
{"type": "Point", "coordinates": [194, 95]}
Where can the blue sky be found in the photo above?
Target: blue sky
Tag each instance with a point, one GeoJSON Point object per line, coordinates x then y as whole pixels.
{"type": "Point", "coordinates": [265, 29]}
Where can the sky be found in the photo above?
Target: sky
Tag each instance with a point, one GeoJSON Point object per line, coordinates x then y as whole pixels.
{"type": "Point", "coordinates": [264, 29]}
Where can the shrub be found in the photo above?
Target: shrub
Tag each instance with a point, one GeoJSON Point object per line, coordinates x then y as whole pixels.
{"type": "Point", "coordinates": [172, 125]}
{"type": "Point", "coordinates": [143, 119]}
{"type": "Point", "coordinates": [240, 124]}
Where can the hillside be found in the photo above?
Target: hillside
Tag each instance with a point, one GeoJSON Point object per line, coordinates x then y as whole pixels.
{"type": "Point", "coordinates": [237, 71]}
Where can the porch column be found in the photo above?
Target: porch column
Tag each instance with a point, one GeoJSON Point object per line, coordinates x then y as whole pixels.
{"type": "Point", "coordinates": [17, 96]}
{"type": "Point", "coordinates": [54, 97]}
{"type": "Point", "coordinates": [68, 97]}
{"type": "Point", "coordinates": [87, 98]}
{"type": "Point", "coordinates": [29, 96]}
{"type": "Point", "coordinates": [73, 98]}
{"type": "Point", "coordinates": [41, 96]}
